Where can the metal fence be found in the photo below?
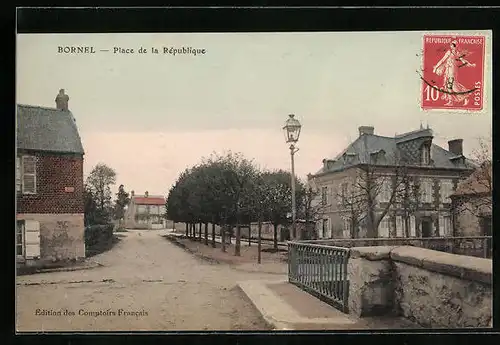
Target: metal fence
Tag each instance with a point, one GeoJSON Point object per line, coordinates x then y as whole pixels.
{"type": "Point", "coordinates": [478, 246]}
{"type": "Point", "coordinates": [320, 270]}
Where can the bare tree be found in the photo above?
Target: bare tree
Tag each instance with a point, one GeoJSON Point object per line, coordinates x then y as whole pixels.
{"type": "Point", "coordinates": [408, 197]}
{"type": "Point", "coordinates": [352, 205]}
{"type": "Point", "coordinates": [314, 205]}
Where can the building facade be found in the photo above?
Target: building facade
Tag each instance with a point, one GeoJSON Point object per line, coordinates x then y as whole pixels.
{"type": "Point", "coordinates": [49, 185]}
{"type": "Point", "coordinates": [402, 183]}
{"type": "Point", "coordinates": [145, 212]}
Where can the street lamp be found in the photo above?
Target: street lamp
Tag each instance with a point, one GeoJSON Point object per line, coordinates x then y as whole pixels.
{"type": "Point", "coordinates": [292, 132]}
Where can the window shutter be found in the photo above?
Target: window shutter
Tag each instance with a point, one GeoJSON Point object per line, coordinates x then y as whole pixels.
{"type": "Point", "coordinates": [29, 174]}
{"type": "Point", "coordinates": [413, 232]}
{"type": "Point", "coordinates": [441, 226]}
{"type": "Point", "coordinates": [399, 226]}
{"type": "Point", "coordinates": [32, 239]}
{"type": "Point", "coordinates": [383, 230]}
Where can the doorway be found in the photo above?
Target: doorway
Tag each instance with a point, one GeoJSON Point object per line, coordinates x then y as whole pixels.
{"type": "Point", "coordinates": [426, 227]}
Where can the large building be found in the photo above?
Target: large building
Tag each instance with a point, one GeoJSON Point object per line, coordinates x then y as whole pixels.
{"type": "Point", "coordinates": [145, 212]}
{"type": "Point", "coordinates": [49, 184]}
{"type": "Point", "coordinates": [390, 186]}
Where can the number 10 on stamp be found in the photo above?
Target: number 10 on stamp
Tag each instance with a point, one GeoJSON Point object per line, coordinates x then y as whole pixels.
{"type": "Point", "coordinates": [453, 73]}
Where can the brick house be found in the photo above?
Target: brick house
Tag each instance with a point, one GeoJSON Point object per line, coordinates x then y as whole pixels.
{"type": "Point", "coordinates": [145, 212]}
{"type": "Point", "coordinates": [49, 185]}
{"type": "Point", "coordinates": [430, 172]}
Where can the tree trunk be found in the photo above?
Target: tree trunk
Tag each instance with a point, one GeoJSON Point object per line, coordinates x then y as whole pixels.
{"type": "Point", "coordinates": [187, 230]}
{"type": "Point", "coordinates": [237, 246]}
{"type": "Point", "coordinates": [223, 237]}
{"type": "Point", "coordinates": [275, 237]}
{"type": "Point", "coordinates": [229, 231]}
{"type": "Point", "coordinates": [213, 235]}
{"type": "Point", "coordinates": [249, 235]}
{"type": "Point", "coordinates": [259, 242]}
{"type": "Point", "coordinates": [199, 231]}
{"type": "Point", "coordinates": [206, 234]}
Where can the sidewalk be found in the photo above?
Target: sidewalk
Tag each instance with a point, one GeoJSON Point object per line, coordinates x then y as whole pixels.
{"type": "Point", "coordinates": [286, 307]}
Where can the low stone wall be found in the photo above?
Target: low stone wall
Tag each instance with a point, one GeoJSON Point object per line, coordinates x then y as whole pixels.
{"type": "Point", "coordinates": [471, 246]}
{"type": "Point", "coordinates": [431, 288]}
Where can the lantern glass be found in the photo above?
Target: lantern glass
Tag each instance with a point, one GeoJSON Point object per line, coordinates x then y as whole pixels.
{"type": "Point", "coordinates": [292, 129]}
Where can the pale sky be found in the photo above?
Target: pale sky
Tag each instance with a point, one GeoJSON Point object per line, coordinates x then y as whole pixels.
{"type": "Point", "coordinates": [149, 116]}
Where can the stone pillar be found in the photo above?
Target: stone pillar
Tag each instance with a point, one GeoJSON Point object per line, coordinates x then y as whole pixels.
{"type": "Point", "coordinates": [370, 274]}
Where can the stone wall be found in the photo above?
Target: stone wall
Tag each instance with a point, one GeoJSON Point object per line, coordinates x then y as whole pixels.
{"type": "Point", "coordinates": [61, 235]}
{"type": "Point", "coordinates": [433, 289]}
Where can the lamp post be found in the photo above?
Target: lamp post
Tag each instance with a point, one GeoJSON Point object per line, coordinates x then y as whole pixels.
{"type": "Point", "coordinates": [292, 132]}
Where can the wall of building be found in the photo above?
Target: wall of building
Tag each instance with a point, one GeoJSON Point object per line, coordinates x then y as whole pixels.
{"type": "Point", "coordinates": [433, 289]}
{"type": "Point", "coordinates": [54, 173]}
{"type": "Point", "coordinates": [61, 235]}
{"type": "Point", "coordinates": [437, 210]}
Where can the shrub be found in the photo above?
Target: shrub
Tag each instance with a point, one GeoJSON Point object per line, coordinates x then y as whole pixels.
{"type": "Point", "coordinates": [97, 235]}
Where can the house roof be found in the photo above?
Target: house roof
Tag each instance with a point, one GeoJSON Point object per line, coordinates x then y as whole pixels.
{"type": "Point", "coordinates": [150, 200]}
{"type": "Point", "coordinates": [361, 150]}
{"type": "Point", "coordinates": [47, 129]}
{"type": "Point", "coordinates": [479, 182]}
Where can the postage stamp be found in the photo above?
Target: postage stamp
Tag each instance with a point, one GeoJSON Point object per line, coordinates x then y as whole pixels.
{"type": "Point", "coordinates": [453, 73]}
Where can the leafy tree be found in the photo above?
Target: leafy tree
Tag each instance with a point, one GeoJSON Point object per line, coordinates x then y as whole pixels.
{"type": "Point", "coordinates": [122, 200]}
{"type": "Point", "coordinates": [99, 184]}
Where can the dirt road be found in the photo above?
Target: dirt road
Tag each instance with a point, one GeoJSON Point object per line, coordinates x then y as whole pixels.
{"type": "Point", "coordinates": [146, 283]}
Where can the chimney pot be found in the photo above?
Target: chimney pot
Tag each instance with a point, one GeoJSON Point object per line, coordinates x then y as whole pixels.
{"type": "Point", "coordinates": [456, 147]}
{"type": "Point", "coordinates": [62, 101]}
{"type": "Point", "coordinates": [132, 193]}
{"type": "Point", "coordinates": [146, 194]}
{"type": "Point", "coordinates": [366, 130]}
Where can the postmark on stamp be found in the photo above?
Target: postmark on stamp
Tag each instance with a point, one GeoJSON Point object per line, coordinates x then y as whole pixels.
{"type": "Point", "coordinates": [453, 73]}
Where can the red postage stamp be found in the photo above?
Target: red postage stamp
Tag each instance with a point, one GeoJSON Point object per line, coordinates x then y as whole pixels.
{"type": "Point", "coordinates": [453, 73]}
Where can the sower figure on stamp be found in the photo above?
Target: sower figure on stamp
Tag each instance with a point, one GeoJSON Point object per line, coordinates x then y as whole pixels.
{"type": "Point", "coordinates": [448, 67]}
{"type": "Point", "coordinates": [62, 100]}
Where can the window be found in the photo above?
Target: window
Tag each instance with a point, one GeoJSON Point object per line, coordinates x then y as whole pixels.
{"type": "Point", "coordinates": [426, 191]}
{"type": "Point", "coordinates": [399, 226]}
{"type": "Point", "coordinates": [344, 192]}
{"type": "Point", "coordinates": [413, 232]}
{"type": "Point", "coordinates": [18, 174]}
{"type": "Point", "coordinates": [324, 195]}
{"type": "Point", "coordinates": [325, 228]}
{"type": "Point", "coordinates": [141, 209]}
{"type": "Point", "coordinates": [425, 155]}
{"type": "Point", "coordinates": [383, 228]}
{"type": "Point", "coordinates": [28, 178]}
{"type": "Point", "coordinates": [385, 191]}
{"type": "Point", "coordinates": [347, 228]}
{"type": "Point", "coordinates": [20, 238]}
{"type": "Point", "coordinates": [446, 190]}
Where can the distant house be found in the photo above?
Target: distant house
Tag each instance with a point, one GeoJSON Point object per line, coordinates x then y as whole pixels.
{"type": "Point", "coordinates": [472, 203]}
{"type": "Point", "coordinates": [376, 163]}
{"type": "Point", "coordinates": [49, 184]}
{"type": "Point", "coordinates": [145, 212]}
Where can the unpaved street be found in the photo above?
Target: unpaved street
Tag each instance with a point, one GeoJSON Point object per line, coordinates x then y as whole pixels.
{"type": "Point", "coordinates": [146, 283]}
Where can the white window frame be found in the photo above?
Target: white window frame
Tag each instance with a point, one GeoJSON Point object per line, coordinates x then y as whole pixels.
{"type": "Point", "coordinates": [24, 174]}
{"type": "Point", "coordinates": [399, 227]}
{"type": "Point", "coordinates": [426, 190]}
{"type": "Point", "coordinates": [383, 228]}
{"type": "Point", "coordinates": [413, 228]}
{"type": "Point", "coordinates": [385, 190]}
{"type": "Point", "coordinates": [446, 189]}
{"type": "Point", "coordinates": [447, 229]}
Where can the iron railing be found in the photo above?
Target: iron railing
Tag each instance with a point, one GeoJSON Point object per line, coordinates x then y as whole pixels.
{"type": "Point", "coordinates": [478, 246]}
{"type": "Point", "coordinates": [320, 270]}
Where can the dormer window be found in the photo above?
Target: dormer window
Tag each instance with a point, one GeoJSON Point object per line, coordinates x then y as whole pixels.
{"type": "Point", "coordinates": [425, 155]}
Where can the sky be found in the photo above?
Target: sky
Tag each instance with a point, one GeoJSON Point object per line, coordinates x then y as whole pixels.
{"type": "Point", "coordinates": [149, 116]}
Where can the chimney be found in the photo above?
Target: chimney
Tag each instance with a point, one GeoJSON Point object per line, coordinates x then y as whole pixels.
{"type": "Point", "coordinates": [456, 146]}
{"type": "Point", "coordinates": [366, 130]}
{"type": "Point", "coordinates": [146, 194]}
{"type": "Point", "coordinates": [62, 101]}
{"type": "Point", "coordinates": [132, 193]}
